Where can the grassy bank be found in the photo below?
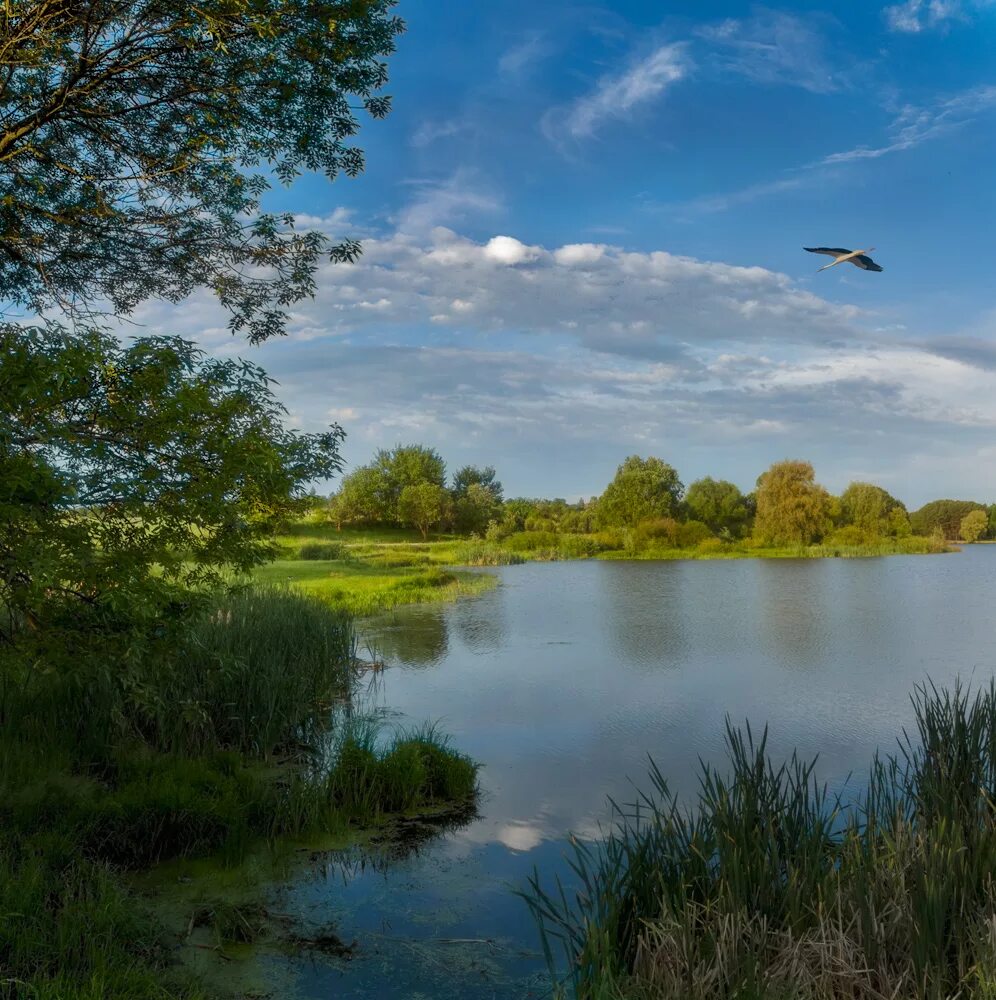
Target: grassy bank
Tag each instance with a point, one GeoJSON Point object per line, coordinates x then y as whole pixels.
{"type": "Point", "coordinates": [768, 890]}
{"type": "Point", "coordinates": [367, 571]}
{"type": "Point", "coordinates": [211, 738]}
{"type": "Point", "coordinates": [364, 572]}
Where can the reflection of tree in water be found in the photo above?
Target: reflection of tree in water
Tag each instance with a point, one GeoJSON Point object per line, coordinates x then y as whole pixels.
{"type": "Point", "coordinates": [416, 638]}
{"type": "Point", "coordinates": [793, 612]}
{"type": "Point", "coordinates": [645, 607]}
{"type": "Point", "coordinates": [480, 624]}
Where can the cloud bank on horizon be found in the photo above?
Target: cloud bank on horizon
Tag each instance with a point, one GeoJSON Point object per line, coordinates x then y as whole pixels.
{"type": "Point", "coordinates": [582, 239]}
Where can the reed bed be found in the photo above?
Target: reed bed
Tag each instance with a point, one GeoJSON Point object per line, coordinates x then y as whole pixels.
{"type": "Point", "coordinates": [768, 889]}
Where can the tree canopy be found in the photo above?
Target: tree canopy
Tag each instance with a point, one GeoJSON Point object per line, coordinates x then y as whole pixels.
{"type": "Point", "coordinates": [424, 505]}
{"type": "Point", "coordinates": [718, 504]}
{"type": "Point", "coordinates": [643, 488]}
{"type": "Point", "coordinates": [973, 524]}
{"type": "Point", "coordinates": [792, 508]}
{"type": "Point", "coordinates": [128, 474]}
{"type": "Point", "coordinates": [944, 514]}
{"type": "Point", "coordinates": [137, 138]}
{"type": "Point", "coordinates": [407, 465]}
{"type": "Point", "coordinates": [471, 475]}
{"type": "Point", "coordinates": [873, 510]}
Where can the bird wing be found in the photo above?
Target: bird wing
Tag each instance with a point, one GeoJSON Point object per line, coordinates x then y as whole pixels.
{"type": "Point", "coordinates": [832, 251]}
{"type": "Point", "coordinates": [866, 263]}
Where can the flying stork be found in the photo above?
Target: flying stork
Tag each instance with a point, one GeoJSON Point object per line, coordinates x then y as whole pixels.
{"type": "Point", "coordinates": [856, 257]}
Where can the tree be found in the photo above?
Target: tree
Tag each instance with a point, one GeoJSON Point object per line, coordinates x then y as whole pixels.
{"type": "Point", "coordinates": [470, 475]}
{"type": "Point", "coordinates": [872, 509]}
{"type": "Point", "coordinates": [718, 504]}
{"type": "Point", "coordinates": [973, 524]}
{"type": "Point", "coordinates": [361, 498]}
{"type": "Point", "coordinates": [424, 505]}
{"type": "Point", "coordinates": [475, 508]}
{"type": "Point", "coordinates": [129, 475]}
{"type": "Point", "coordinates": [944, 514]}
{"type": "Point", "coordinates": [407, 465]}
{"type": "Point", "coordinates": [792, 509]}
{"type": "Point", "coordinates": [642, 489]}
{"type": "Point", "coordinates": [137, 136]}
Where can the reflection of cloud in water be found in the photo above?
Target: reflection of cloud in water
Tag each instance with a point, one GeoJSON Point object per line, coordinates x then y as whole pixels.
{"type": "Point", "coordinates": [520, 835]}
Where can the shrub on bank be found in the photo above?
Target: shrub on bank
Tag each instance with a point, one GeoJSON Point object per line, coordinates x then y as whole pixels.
{"type": "Point", "coordinates": [322, 550]}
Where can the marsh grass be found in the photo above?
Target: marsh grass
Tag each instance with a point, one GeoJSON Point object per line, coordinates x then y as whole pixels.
{"type": "Point", "coordinates": [212, 741]}
{"type": "Point", "coordinates": [769, 890]}
{"type": "Point", "coordinates": [410, 769]}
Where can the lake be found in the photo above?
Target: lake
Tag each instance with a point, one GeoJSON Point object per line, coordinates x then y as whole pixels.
{"type": "Point", "coordinates": [565, 678]}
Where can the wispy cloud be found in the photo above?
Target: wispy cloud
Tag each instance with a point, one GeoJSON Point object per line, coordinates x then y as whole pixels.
{"type": "Point", "coordinates": [775, 47]}
{"type": "Point", "coordinates": [429, 132]}
{"type": "Point", "coordinates": [911, 127]}
{"type": "Point", "coordinates": [914, 126]}
{"type": "Point", "coordinates": [919, 15]}
{"type": "Point", "coordinates": [619, 95]}
{"type": "Point", "coordinates": [440, 202]}
{"type": "Point", "coordinates": [520, 58]}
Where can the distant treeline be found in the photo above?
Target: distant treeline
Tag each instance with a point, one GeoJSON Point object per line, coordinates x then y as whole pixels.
{"type": "Point", "coordinates": [645, 505]}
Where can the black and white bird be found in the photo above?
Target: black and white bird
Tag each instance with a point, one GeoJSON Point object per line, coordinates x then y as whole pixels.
{"type": "Point", "coordinates": [856, 257]}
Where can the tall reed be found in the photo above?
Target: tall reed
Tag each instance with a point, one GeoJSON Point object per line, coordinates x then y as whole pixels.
{"type": "Point", "coordinates": [768, 889]}
{"type": "Point", "coordinates": [256, 673]}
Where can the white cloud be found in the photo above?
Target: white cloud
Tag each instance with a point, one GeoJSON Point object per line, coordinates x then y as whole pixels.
{"type": "Point", "coordinates": [430, 132]}
{"type": "Point", "coordinates": [508, 250]}
{"type": "Point", "coordinates": [915, 16]}
{"type": "Point", "coordinates": [914, 126]}
{"type": "Point", "coordinates": [619, 95]}
{"type": "Point", "coordinates": [776, 47]}
{"type": "Point", "coordinates": [516, 61]}
{"type": "Point", "coordinates": [911, 127]}
{"type": "Point", "coordinates": [579, 253]}
{"type": "Point", "coordinates": [452, 200]}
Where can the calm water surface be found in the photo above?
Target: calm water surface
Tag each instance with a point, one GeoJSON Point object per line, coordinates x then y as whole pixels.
{"type": "Point", "coordinates": [566, 677]}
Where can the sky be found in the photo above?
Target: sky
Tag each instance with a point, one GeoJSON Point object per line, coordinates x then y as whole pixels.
{"type": "Point", "coordinates": [583, 229]}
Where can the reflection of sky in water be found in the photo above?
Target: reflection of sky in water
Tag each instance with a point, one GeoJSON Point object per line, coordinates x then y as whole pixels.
{"type": "Point", "coordinates": [566, 677]}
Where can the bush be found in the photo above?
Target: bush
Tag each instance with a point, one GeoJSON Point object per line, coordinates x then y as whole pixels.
{"type": "Point", "coordinates": [660, 531]}
{"type": "Point", "coordinates": [485, 553]}
{"type": "Point", "coordinates": [710, 546]}
{"type": "Point", "coordinates": [850, 535]}
{"type": "Point", "coordinates": [323, 550]}
{"type": "Point", "coordinates": [610, 539]}
{"type": "Point", "coordinates": [691, 533]}
{"type": "Point", "coordinates": [531, 541]}
{"type": "Point", "coordinates": [578, 546]}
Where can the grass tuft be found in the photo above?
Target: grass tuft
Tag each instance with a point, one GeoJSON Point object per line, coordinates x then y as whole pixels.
{"type": "Point", "coordinates": [769, 889]}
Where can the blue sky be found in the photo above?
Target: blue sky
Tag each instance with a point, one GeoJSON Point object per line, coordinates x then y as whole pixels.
{"type": "Point", "coordinates": [583, 229]}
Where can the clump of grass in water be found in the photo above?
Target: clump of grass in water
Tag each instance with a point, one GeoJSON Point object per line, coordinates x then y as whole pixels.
{"type": "Point", "coordinates": [415, 768]}
{"type": "Point", "coordinates": [769, 890]}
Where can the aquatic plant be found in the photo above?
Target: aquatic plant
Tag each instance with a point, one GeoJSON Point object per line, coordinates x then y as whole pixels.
{"type": "Point", "coordinates": [769, 889]}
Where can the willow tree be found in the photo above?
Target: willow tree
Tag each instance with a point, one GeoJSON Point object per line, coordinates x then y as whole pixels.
{"type": "Point", "coordinates": [642, 488]}
{"type": "Point", "coordinates": [137, 140]}
{"type": "Point", "coordinates": [792, 508]}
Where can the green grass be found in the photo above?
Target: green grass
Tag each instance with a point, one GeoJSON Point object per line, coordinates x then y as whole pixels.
{"type": "Point", "coordinates": [379, 569]}
{"type": "Point", "coordinates": [211, 739]}
{"type": "Point", "coordinates": [769, 890]}
{"type": "Point", "coordinates": [378, 581]}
